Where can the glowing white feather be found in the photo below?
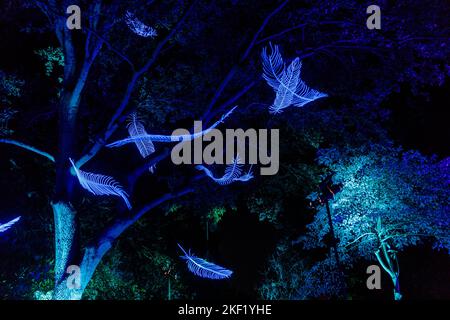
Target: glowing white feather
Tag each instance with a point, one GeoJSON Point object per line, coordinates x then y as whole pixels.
{"type": "Point", "coordinates": [232, 173]}
{"type": "Point", "coordinates": [204, 269]}
{"type": "Point", "coordinates": [100, 184]}
{"type": "Point", "coordinates": [136, 129]}
{"type": "Point", "coordinates": [290, 89]}
{"type": "Point", "coordinates": [8, 225]}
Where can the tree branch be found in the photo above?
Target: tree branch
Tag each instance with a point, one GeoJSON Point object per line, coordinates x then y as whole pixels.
{"type": "Point", "coordinates": [361, 236]}
{"type": "Point", "coordinates": [110, 46]}
{"type": "Point", "coordinates": [29, 148]}
{"type": "Point", "coordinates": [276, 35]}
{"type": "Point", "coordinates": [383, 265]}
{"type": "Point", "coordinates": [118, 118]}
{"type": "Point", "coordinates": [117, 227]}
{"type": "Point", "coordinates": [142, 169]}
{"type": "Point", "coordinates": [301, 26]}
{"type": "Point", "coordinates": [261, 28]}
{"type": "Point", "coordinates": [234, 69]}
{"type": "Point", "coordinates": [209, 115]}
{"type": "Point", "coordinates": [132, 177]}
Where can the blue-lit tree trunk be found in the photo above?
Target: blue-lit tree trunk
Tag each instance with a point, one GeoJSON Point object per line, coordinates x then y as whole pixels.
{"type": "Point", "coordinates": [63, 212]}
{"type": "Point", "coordinates": [65, 229]}
{"type": "Point", "coordinates": [389, 263]}
{"type": "Point", "coordinates": [387, 257]}
{"type": "Point", "coordinates": [75, 75]}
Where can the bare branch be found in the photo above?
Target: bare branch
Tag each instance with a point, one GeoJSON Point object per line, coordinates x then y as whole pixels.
{"type": "Point", "coordinates": [235, 68]}
{"type": "Point", "coordinates": [118, 226]}
{"type": "Point", "coordinates": [361, 236]}
{"type": "Point", "coordinates": [132, 178]}
{"type": "Point", "coordinates": [29, 148]}
{"type": "Point", "coordinates": [261, 28]}
{"type": "Point", "coordinates": [276, 35]}
{"type": "Point", "coordinates": [209, 115]}
{"type": "Point", "coordinates": [301, 26]}
{"type": "Point", "coordinates": [118, 116]}
{"type": "Point", "coordinates": [110, 46]}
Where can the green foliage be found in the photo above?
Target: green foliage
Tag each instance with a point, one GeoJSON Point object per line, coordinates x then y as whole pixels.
{"type": "Point", "coordinates": [10, 91]}
{"type": "Point", "coordinates": [5, 116]}
{"type": "Point", "coordinates": [266, 210]}
{"type": "Point", "coordinates": [169, 97]}
{"type": "Point", "coordinates": [133, 269]}
{"type": "Point", "coordinates": [111, 282]}
{"type": "Point", "coordinates": [53, 57]}
{"type": "Point", "coordinates": [29, 266]}
{"type": "Point", "coordinates": [10, 86]}
{"type": "Point", "coordinates": [114, 279]}
{"type": "Point", "coordinates": [162, 279]}
{"type": "Point", "coordinates": [173, 208]}
{"type": "Point", "coordinates": [42, 287]}
{"type": "Point", "coordinates": [283, 275]}
{"type": "Point", "coordinates": [298, 175]}
{"type": "Point", "coordinates": [215, 215]}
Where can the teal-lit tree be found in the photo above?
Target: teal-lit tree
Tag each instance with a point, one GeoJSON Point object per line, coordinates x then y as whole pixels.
{"type": "Point", "coordinates": [390, 199]}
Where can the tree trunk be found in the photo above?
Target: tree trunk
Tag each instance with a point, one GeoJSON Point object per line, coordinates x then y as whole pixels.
{"type": "Point", "coordinates": [397, 293]}
{"type": "Point", "coordinates": [65, 236]}
{"type": "Point", "coordinates": [387, 264]}
{"type": "Point", "coordinates": [66, 244]}
{"type": "Point", "coordinates": [66, 227]}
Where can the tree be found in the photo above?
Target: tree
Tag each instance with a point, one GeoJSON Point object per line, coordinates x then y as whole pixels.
{"type": "Point", "coordinates": [390, 199]}
{"type": "Point", "coordinates": [80, 54]}
{"type": "Point", "coordinates": [283, 275]}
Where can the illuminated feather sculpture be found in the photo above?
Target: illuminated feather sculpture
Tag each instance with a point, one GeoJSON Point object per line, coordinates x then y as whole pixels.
{"type": "Point", "coordinates": [232, 173]}
{"type": "Point", "coordinates": [203, 268]}
{"type": "Point", "coordinates": [100, 185]}
{"type": "Point", "coordinates": [246, 177]}
{"type": "Point", "coordinates": [138, 27]}
{"type": "Point", "coordinates": [6, 226]}
{"type": "Point", "coordinates": [289, 87]}
{"type": "Point", "coordinates": [169, 138]}
{"type": "Point", "coordinates": [144, 145]}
